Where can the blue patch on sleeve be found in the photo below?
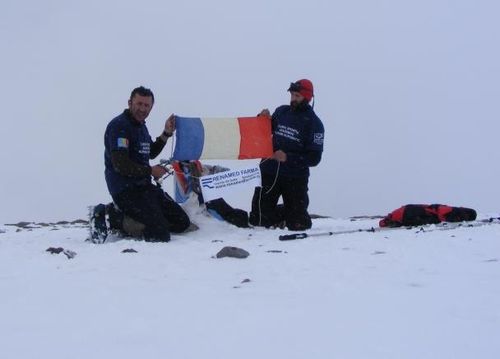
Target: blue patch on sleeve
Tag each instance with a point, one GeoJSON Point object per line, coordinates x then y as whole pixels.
{"type": "Point", "coordinates": [122, 142]}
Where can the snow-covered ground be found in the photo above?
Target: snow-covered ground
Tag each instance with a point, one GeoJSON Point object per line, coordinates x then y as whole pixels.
{"type": "Point", "coordinates": [394, 294]}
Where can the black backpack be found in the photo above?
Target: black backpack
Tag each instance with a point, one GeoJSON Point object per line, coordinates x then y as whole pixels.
{"type": "Point", "coordinates": [219, 208]}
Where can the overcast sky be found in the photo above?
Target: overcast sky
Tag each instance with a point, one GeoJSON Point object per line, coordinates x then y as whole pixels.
{"type": "Point", "coordinates": [407, 90]}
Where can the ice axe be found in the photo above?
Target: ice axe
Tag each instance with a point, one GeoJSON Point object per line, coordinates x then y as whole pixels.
{"type": "Point", "coordinates": [167, 164]}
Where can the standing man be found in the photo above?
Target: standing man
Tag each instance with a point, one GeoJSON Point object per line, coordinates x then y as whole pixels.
{"type": "Point", "coordinates": [298, 136]}
{"type": "Point", "coordinates": [128, 149]}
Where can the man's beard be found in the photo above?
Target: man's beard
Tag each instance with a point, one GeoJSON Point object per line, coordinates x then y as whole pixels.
{"type": "Point", "coordinates": [297, 105]}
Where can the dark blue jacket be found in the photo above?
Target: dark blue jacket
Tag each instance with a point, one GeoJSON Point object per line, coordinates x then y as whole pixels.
{"type": "Point", "coordinates": [300, 134]}
{"type": "Point", "coordinates": [125, 134]}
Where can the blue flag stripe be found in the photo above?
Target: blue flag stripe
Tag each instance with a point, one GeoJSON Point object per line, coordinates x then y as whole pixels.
{"type": "Point", "coordinates": [189, 138]}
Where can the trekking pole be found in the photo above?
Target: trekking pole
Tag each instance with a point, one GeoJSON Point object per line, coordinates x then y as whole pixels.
{"type": "Point", "coordinates": [420, 228]}
{"type": "Point", "coordinates": [291, 237]}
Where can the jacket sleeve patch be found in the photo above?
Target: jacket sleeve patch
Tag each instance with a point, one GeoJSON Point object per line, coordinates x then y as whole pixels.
{"type": "Point", "coordinates": [318, 138]}
{"type": "Point", "coordinates": [122, 142]}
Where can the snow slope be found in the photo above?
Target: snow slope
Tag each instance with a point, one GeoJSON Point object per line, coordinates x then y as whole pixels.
{"type": "Point", "coordinates": [397, 294]}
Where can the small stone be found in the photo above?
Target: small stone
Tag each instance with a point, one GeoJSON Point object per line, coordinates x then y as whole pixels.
{"type": "Point", "coordinates": [129, 250]}
{"type": "Point", "coordinates": [54, 250]}
{"type": "Point", "coordinates": [57, 250]}
{"type": "Point", "coordinates": [79, 221]}
{"type": "Point", "coordinates": [246, 280]}
{"type": "Point", "coordinates": [21, 224]}
{"type": "Point", "coordinates": [69, 254]}
{"type": "Point", "coordinates": [233, 252]}
{"type": "Point", "coordinates": [491, 260]}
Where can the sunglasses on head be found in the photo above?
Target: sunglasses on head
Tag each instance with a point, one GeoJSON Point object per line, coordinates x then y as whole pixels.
{"type": "Point", "coordinates": [295, 87]}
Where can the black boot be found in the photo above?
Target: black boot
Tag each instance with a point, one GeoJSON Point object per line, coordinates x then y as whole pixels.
{"type": "Point", "coordinates": [98, 228]}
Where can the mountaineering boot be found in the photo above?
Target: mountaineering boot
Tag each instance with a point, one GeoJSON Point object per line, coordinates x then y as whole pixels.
{"type": "Point", "coordinates": [98, 229]}
{"type": "Point", "coordinates": [114, 218]}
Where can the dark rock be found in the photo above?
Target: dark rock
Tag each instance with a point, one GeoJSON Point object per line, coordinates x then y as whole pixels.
{"type": "Point", "coordinates": [80, 221]}
{"type": "Point", "coordinates": [233, 252]}
{"type": "Point", "coordinates": [246, 280]}
{"type": "Point", "coordinates": [315, 216]}
{"type": "Point", "coordinates": [57, 250]}
{"type": "Point", "coordinates": [129, 250]}
{"type": "Point", "coordinates": [69, 254]}
{"type": "Point", "coordinates": [20, 224]}
{"type": "Point", "coordinates": [491, 260]}
{"type": "Point", "coordinates": [54, 250]}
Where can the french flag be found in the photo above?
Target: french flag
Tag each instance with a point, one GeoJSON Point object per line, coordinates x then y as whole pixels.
{"type": "Point", "coordinates": [222, 138]}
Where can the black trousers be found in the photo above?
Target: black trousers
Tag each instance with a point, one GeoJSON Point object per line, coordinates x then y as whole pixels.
{"type": "Point", "coordinates": [154, 208]}
{"type": "Point", "coordinates": [294, 191]}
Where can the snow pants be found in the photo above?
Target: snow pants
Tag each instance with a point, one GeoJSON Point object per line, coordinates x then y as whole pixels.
{"type": "Point", "coordinates": [154, 208]}
{"type": "Point", "coordinates": [266, 211]}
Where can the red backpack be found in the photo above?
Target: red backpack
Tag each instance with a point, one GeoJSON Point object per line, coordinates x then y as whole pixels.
{"type": "Point", "coordinates": [420, 214]}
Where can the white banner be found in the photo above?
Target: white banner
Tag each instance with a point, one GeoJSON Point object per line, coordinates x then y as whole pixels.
{"type": "Point", "coordinates": [222, 184]}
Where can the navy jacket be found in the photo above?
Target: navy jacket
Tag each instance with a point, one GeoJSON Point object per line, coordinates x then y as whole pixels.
{"type": "Point", "coordinates": [300, 134]}
{"type": "Point", "coordinates": [123, 133]}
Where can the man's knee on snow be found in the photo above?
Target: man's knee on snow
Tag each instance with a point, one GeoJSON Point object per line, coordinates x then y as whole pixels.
{"type": "Point", "coordinates": [298, 222]}
{"type": "Point", "coordinates": [159, 232]}
{"type": "Point", "coordinates": [155, 230]}
{"type": "Point", "coordinates": [122, 223]}
{"type": "Point", "coordinates": [298, 226]}
{"type": "Point", "coordinates": [132, 227]}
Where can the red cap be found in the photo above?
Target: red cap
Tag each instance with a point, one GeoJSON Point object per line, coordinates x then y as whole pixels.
{"type": "Point", "coordinates": [304, 87]}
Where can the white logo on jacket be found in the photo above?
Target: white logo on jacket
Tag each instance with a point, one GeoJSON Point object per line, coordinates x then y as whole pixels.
{"type": "Point", "coordinates": [318, 138]}
{"type": "Point", "coordinates": [144, 148]}
{"type": "Point", "coordinates": [288, 132]}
